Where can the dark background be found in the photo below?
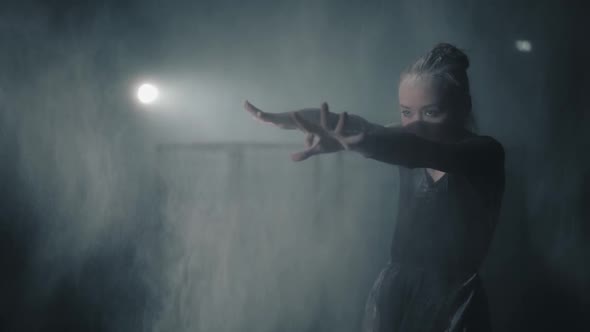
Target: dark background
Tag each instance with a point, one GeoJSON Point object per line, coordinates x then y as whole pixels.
{"type": "Point", "coordinates": [91, 189]}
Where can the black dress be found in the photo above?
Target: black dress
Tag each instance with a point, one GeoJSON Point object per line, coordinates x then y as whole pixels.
{"type": "Point", "coordinates": [442, 234]}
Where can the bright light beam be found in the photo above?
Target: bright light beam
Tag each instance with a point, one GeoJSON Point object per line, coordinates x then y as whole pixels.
{"type": "Point", "coordinates": [147, 93]}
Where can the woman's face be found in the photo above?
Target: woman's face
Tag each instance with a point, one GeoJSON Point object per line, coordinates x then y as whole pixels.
{"type": "Point", "coordinates": [419, 100]}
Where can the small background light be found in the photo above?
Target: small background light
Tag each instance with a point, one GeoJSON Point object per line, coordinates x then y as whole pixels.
{"type": "Point", "coordinates": [523, 45]}
{"type": "Point", "coordinates": [147, 93]}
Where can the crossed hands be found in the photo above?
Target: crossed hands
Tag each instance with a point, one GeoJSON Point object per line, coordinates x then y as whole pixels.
{"type": "Point", "coordinates": [319, 138]}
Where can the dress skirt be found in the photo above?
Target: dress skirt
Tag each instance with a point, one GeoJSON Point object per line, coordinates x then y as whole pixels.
{"type": "Point", "coordinates": [411, 299]}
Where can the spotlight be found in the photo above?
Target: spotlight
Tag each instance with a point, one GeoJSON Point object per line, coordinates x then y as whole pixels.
{"type": "Point", "coordinates": [523, 45]}
{"type": "Point", "coordinates": [147, 93]}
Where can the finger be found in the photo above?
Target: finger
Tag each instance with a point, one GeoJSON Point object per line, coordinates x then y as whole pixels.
{"type": "Point", "coordinates": [282, 120]}
{"type": "Point", "coordinates": [302, 155]}
{"type": "Point", "coordinates": [341, 123]}
{"type": "Point", "coordinates": [253, 110]}
{"type": "Point", "coordinates": [324, 113]}
{"type": "Point", "coordinates": [309, 140]}
{"type": "Point", "coordinates": [306, 126]}
{"type": "Point", "coordinates": [351, 140]}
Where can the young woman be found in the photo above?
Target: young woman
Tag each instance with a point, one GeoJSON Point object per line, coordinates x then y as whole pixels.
{"type": "Point", "coordinates": [451, 187]}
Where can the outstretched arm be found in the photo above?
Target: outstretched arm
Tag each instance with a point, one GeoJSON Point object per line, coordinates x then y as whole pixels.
{"type": "Point", "coordinates": [411, 146]}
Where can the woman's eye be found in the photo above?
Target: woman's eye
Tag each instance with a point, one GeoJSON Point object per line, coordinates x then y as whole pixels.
{"type": "Point", "coordinates": [432, 112]}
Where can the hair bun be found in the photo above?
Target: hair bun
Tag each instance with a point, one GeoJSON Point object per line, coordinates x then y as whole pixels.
{"type": "Point", "coordinates": [448, 55]}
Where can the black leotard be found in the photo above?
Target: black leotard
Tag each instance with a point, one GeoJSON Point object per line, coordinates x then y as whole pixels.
{"type": "Point", "coordinates": [442, 233]}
